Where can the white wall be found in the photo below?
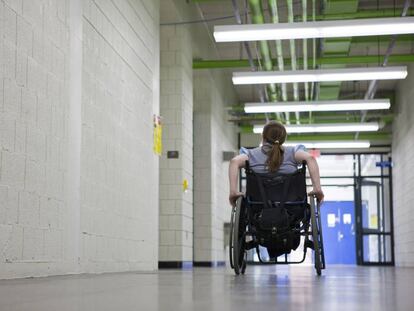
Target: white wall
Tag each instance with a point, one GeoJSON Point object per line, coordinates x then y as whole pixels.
{"type": "Point", "coordinates": [78, 179]}
{"type": "Point", "coordinates": [176, 205]}
{"type": "Point", "coordinates": [213, 134]}
{"type": "Point", "coordinates": [403, 179]}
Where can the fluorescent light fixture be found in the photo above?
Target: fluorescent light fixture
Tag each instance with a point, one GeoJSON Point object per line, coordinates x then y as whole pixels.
{"type": "Point", "coordinates": [331, 144]}
{"type": "Point", "coordinates": [327, 105]}
{"type": "Point", "coordinates": [320, 29]}
{"type": "Point", "coordinates": [319, 75]}
{"type": "Point", "coordinates": [325, 128]}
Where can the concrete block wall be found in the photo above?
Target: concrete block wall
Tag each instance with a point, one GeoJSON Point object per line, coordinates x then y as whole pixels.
{"type": "Point", "coordinates": [33, 136]}
{"type": "Point", "coordinates": [403, 179]}
{"type": "Point", "coordinates": [213, 134]}
{"type": "Point", "coordinates": [78, 179]}
{"type": "Point", "coordinates": [176, 106]}
{"type": "Point", "coordinates": [118, 176]}
{"type": "Point", "coordinates": [224, 138]}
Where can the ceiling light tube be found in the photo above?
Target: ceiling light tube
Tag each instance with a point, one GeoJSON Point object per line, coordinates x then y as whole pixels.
{"type": "Point", "coordinates": [321, 75]}
{"type": "Point", "coordinates": [331, 144]}
{"type": "Point", "coordinates": [327, 105]}
{"type": "Point", "coordinates": [325, 128]}
{"type": "Point", "coordinates": [319, 29]}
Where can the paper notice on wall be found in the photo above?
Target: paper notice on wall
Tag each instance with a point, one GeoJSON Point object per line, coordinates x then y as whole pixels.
{"type": "Point", "coordinates": [331, 220]}
{"type": "Point", "coordinates": [347, 219]}
{"type": "Point", "coordinates": [157, 144]}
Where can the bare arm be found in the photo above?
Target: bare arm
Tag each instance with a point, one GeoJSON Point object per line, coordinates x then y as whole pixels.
{"type": "Point", "coordinates": [235, 164]}
{"type": "Point", "coordinates": [313, 167]}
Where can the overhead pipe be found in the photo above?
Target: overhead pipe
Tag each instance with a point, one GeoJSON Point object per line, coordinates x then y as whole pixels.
{"type": "Point", "coordinates": [293, 57]}
{"type": "Point", "coordinates": [251, 62]}
{"type": "Point", "coordinates": [313, 47]}
{"type": "Point", "coordinates": [257, 18]}
{"type": "Point", "coordinates": [305, 46]}
{"type": "Point", "coordinates": [279, 51]}
{"type": "Point", "coordinates": [312, 90]}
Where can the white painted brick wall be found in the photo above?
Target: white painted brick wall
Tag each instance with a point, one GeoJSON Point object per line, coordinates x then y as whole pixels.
{"type": "Point", "coordinates": [403, 179]}
{"type": "Point", "coordinates": [213, 134]}
{"type": "Point", "coordinates": [24, 139]}
{"type": "Point", "coordinates": [118, 212]}
{"type": "Point", "coordinates": [118, 171]}
{"type": "Point", "coordinates": [176, 209]}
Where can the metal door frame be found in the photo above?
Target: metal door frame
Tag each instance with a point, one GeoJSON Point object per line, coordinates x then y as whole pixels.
{"type": "Point", "coordinates": [360, 231]}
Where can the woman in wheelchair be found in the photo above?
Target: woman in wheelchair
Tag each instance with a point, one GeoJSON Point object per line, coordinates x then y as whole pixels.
{"type": "Point", "coordinates": [272, 156]}
{"type": "Point", "coordinates": [274, 212]}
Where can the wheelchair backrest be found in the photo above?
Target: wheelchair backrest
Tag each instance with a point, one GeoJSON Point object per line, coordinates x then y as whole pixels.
{"type": "Point", "coordinates": [276, 187]}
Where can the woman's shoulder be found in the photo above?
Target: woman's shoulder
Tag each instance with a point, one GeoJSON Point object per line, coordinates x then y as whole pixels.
{"type": "Point", "coordinates": [295, 148]}
{"type": "Point", "coordinates": [249, 151]}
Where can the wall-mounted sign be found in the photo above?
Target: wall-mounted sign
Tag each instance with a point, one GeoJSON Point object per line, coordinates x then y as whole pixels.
{"type": "Point", "coordinates": [228, 155]}
{"type": "Point", "coordinates": [383, 164]}
{"type": "Point", "coordinates": [157, 136]}
{"type": "Point", "coordinates": [185, 185]}
{"type": "Point", "coordinates": [173, 154]}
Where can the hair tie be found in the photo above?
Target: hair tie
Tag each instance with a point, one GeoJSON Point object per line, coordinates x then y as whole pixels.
{"type": "Point", "coordinates": [276, 142]}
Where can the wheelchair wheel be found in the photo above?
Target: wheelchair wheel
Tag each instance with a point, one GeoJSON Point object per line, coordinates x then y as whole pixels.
{"type": "Point", "coordinates": [315, 236]}
{"type": "Point", "coordinates": [238, 256]}
{"type": "Point", "coordinates": [233, 211]}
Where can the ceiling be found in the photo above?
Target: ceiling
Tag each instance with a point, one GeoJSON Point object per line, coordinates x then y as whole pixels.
{"type": "Point", "coordinates": [340, 53]}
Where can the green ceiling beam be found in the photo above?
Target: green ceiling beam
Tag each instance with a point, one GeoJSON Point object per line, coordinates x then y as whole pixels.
{"type": "Point", "coordinates": [360, 14]}
{"type": "Point", "coordinates": [381, 39]}
{"type": "Point", "coordinates": [327, 60]}
{"type": "Point", "coordinates": [348, 15]}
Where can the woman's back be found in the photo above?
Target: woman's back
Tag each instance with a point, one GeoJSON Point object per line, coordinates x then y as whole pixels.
{"type": "Point", "coordinates": [258, 158]}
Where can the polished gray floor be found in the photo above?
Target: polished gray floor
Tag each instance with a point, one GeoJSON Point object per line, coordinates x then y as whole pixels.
{"type": "Point", "coordinates": [262, 288]}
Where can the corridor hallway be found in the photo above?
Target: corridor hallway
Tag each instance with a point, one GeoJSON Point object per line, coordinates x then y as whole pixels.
{"type": "Point", "coordinates": [261, 288]}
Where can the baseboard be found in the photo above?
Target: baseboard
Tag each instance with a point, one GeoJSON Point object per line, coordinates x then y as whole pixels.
{"type": "Point", "coordinates": [209, 263]}
{"type": "Point", "coordinates": [175, 264]}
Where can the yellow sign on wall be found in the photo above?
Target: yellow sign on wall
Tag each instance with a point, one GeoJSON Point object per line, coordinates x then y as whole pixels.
{"type": "Point", "coordinates": [157, 144]}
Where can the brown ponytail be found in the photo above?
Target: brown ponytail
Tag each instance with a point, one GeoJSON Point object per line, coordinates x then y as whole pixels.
{"type": "Point", "coordinates": [274, 134]}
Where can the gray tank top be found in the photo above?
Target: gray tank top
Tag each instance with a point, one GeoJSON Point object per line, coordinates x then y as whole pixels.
{"type": "Point", "coordinates": [259, 158]}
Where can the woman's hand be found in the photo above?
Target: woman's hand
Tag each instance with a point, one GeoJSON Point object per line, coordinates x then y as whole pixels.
{"type": "Point", "coordinates": [234, 195]}
{"type": "Point", "coordinates": [318, 193]}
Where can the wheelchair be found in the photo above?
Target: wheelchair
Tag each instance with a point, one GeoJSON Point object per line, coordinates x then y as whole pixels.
{"type": "Point", "coordinates": [275, 214]}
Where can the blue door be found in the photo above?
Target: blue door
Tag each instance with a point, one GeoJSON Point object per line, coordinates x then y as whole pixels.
{"type": "Point", "coordinates": [338, 223]}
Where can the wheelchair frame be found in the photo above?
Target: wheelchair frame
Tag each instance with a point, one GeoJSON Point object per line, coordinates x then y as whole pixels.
{"type": "Point", "coordinates": [309, 228]}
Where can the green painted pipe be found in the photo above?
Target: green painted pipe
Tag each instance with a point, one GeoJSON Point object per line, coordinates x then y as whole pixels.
{"type": "Point", "coordinates": [331, 60]}
{"type": "Point", "coordinates": [274, 14]}
{"type": "Point", "coordinates": [305, 47]}
{"type": "Point", "coordinates": [257, 18]}
{"type": "Point", "coordinates": [293, 52]}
